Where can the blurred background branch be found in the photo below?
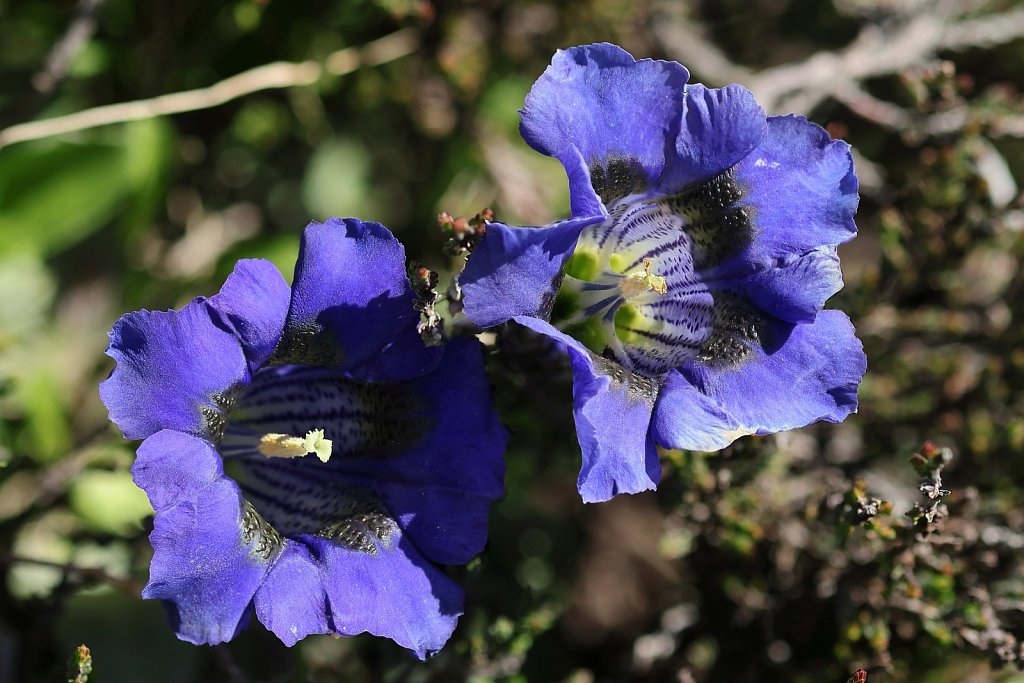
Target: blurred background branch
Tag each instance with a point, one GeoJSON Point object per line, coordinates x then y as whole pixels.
{"type": "Point", "coordinates": [267, 77]}
{"type": "Point", "coordinates": [879, 49]}
{"type": "Point", "coordinates": [78, 33]}
{"type": "Point", "coordinates": [94, 574]}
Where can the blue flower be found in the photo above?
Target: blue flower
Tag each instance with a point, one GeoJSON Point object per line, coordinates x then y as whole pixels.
{"type": "Point", "coordinates": [305, 453]}
{"type": "Point", "coordinates": [700, 252]}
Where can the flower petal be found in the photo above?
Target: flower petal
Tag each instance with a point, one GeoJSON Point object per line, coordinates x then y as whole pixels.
{"type": "Point", "coordinates": [583, 198]}
{"type": "Point", "coordinates": [797, 196]}
{"type": "Point", "coordinates": [291, 602]}
{"type": "Point", "coordinates": [253, 304]}
{"type": "Point", "coordinates": [720, 127]}
{"type": "Point", "coordinates": [394, 593]}
{"type": "Point", "coordinates": [801, 189]}
{"type": "Point", "coordinates": [517, 271]}
{"type": "Point", "coordinates": [351, 285]}
{"type": "Point", "coordinates": [202, 569]}
{"type": "Point", "coordinates": [810, 373]}
{"type": "Point", "coordinates": [685, 418]}
{"type": "Point", "coordinates": [797, 287]}
{"type": "Point", "coordinates": [447, 526]}
{"type": "Point", "coordinates": [619, 115]}
{"type": "Point", "coordinates": [404, 357]}
{"type": "Point", "coordinates": [170, 367]}
{"type": "Point", "coordinates": [613, 414]}
{"type": "Point", "coordinates": [441, 490]}
{"type": "Point", "coordinates": [429, 451]}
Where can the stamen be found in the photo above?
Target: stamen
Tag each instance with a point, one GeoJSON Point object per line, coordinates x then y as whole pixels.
{"type": "Point", "coordinates": [641, 281]}
{"type": "Point", "coordinates": [286, 446]}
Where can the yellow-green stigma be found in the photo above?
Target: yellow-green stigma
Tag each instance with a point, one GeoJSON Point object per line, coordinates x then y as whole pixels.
{"type": "Point", "coordinates": [583, 265]}
{"type": "Point", "coordinates": [286, 446]}
{"type": "Point", "coordinates": [641, 281]}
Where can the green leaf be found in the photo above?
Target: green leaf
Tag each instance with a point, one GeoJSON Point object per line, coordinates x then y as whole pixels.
{"type": "Point", "coordinates": [148, 153]}
{"type": "Point", "coordinates": [47, 435]}
{"type": "Point", "coordinates": [54, 194]}
{"type": "Point", "coordinates": [51, 197]}
{"type": "Point", "coordinates": [337, 181]}
{"type": "Point", "coordinates": [28, 289]}
{"type": "Point", "coordinates": [109, 501]}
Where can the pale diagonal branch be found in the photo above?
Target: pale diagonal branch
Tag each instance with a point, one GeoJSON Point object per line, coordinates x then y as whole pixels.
{"type": "Point", "coordinates": [267, 77]}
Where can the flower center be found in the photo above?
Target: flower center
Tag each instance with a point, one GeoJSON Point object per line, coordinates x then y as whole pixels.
{"type": "Point", "coordinates": [642, 281]}
{"type": "Point", "coordinates": [632, 285]}
{"type": "Point", "coordinates": [328, 482]}
{"type": "Point", "coordinates": [644, 287]}
{"type": "Point", "coordinates": [284, 446]}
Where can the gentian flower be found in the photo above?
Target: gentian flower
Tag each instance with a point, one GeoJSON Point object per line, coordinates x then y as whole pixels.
{"type": "Point", "coordinates": [700, 252]}
{"type": "Point", "coordinates": [305, 453]}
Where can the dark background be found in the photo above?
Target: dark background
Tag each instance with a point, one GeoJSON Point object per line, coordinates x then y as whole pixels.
{"type": "Point", "coordinates": [747, 565]}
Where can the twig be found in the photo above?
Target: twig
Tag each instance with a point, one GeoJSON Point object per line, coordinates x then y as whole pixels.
{"type": "Point", "coordinates": [127, 585]}
{"type": "Point", "coordinates": [982, 32]}
{"type": "Point", "coordinates": [868, 106]}
{"type": "Point", "coordinates": [876, 51]}
{"type": "Point", "coordinates": [684, 42]}
{"type": "Point", "coordinates": [75, 37]}
{"type": "Point", "coordinates": [54, 480]}
{"type": "Point", "coordinates": [880, 52]}
{"type": "Point", "coordinates": [266, 77]}
{"type": "Point", "coordinates": [229, 664]}
{"type": "Point", "coordinates": [950, 121]}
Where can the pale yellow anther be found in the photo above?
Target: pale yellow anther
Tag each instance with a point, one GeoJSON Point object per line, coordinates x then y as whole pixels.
{"type": "Point", "coordinates": [641, 281]}
{"type": "Point", "coordinates": [286, 446]}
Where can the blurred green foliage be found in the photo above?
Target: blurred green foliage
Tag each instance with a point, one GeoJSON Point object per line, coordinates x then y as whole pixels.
{"type": "Point", "coordinates": [757, 563]}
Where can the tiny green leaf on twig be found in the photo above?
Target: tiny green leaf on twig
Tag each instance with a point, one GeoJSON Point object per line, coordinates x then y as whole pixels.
{"type": "Point", "coordinates": [464, 234]}
{"type": "Point", "coordinates": [424, 286]}
{"type": "Point", "coordinates": [929, 462]}
{"type": "Point", "coordinates": [80, 665]}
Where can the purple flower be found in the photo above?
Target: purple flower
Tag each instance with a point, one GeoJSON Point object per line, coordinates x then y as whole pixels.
{"type": "Point", "coordinates": [700, 253]}
{"type": "Point", "coordinates": [305, 452]}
